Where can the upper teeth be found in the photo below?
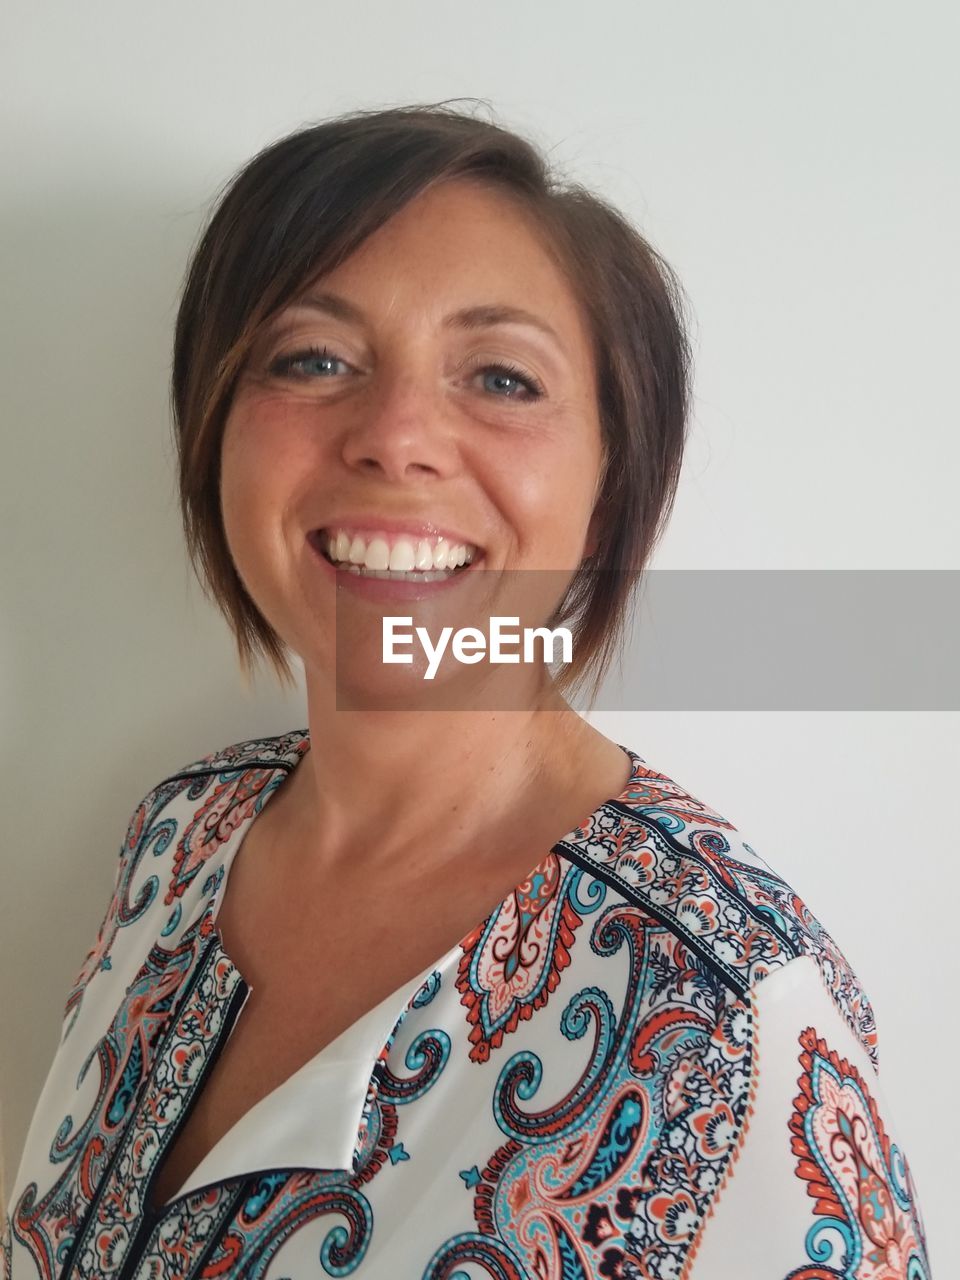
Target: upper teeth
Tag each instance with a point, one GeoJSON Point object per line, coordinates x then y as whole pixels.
{"type": "Point", "coordinates": [398, 552]}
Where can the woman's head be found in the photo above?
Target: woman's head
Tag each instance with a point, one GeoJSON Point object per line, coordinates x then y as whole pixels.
{"type": "Point", "coordinates": [570, 454]}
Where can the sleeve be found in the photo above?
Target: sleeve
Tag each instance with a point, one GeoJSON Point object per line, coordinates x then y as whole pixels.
{"type": "Point", "coordinates": [817, 1186]}
{"type": "Point", "coordinates": [93, 983]}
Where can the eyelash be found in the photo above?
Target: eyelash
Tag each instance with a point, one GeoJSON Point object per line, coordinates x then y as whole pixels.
{"type": "Point", "coordinates": [282, 367]}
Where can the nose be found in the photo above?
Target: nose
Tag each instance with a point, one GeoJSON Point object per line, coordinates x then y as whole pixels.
{"type": "Point", "coordinates": [403, 429]}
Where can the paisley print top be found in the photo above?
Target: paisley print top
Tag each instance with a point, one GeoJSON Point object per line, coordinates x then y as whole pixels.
{"type": "Point", "coordinates": [649, 1061]}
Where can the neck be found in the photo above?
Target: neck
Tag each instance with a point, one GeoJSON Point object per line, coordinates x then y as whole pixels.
{"type": "Point", "coordinates": [377, 784]}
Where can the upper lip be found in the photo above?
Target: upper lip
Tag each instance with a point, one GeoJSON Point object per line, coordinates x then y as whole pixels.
{"type": "Point", "coordinates": [388, 524]}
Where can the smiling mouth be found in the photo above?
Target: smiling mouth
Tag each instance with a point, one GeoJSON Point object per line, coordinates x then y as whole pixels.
{"type": "Point", "coordinates": [326, 544]}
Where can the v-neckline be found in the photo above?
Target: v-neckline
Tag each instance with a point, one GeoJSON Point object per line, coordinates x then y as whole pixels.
{"type": "Point", "coordinates": [352, 1057]}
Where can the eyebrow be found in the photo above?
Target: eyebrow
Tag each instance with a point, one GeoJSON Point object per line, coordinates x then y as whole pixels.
{"type": "Point", "coordinates": [479, 317]}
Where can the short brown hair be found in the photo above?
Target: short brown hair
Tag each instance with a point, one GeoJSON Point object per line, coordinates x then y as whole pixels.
{"type": "Point", "coordinates": [302, 205]}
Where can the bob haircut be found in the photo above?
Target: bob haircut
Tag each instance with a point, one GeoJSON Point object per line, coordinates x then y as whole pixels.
{"type": "Point", "coordinates": [302, 205]}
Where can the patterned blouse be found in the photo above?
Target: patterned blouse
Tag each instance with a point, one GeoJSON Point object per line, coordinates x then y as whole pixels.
{"type": "Point", "coordinates": [649, 1061]}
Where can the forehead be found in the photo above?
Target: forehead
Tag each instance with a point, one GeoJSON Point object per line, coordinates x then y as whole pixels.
{"type": "Point", "coordinates": [462, 243]}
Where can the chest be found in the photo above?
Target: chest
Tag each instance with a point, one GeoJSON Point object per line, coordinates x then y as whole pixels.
{"type": "Point", "coordinates": [315, 962]}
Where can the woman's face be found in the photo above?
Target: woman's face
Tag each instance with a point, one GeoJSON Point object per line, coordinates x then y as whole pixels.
{"type": "Point", "coordinates": [403, 414]}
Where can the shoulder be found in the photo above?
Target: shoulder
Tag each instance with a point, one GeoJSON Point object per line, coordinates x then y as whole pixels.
{"type": "Point", "coordinates": [224, 769]}
{"type": "Point", "coordinates": [192, 810]}
{"type": "Point", "coordinates": [679, 860]}
{"type": "Point", "coordinates": [172, 840]}
{"type": "Point", "coordinates": [282, 750]}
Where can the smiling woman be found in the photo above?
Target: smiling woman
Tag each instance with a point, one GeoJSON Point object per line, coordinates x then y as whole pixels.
{"type": "Point", "coordinates": [413, 411]}
{"type": "Point", "coordinates": [488, 994]}
{"type": "Point", "coordinates": [350, 260]}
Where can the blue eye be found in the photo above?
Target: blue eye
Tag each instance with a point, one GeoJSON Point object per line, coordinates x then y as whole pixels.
{"type": "Point", "coordinates": [510, 373]}
{"type": "Point", "coordinates": [285, 365]}
{"type": "Point", "coordinates": [298, 364]}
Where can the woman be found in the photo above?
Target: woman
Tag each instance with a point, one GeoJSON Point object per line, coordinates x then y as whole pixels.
{"type": "Point", "coordinates": [485, 994]}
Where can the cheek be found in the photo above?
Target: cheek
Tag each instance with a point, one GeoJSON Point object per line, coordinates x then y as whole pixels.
{"type": "Point", "coordinates": [555, 493]}
{"type": "Point", "coordinates": [239, 464]}
{"type": "Point", "coordinates": [252, 503]}
{"type": "Point", "coordinates": [261, 464]}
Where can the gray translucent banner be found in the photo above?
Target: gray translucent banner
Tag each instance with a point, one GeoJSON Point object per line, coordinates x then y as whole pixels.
{"type": "Point", "coordinates": [696, 640]}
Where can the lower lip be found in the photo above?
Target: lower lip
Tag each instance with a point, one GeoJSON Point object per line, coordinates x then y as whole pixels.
{"type": "Point", "coordinates": [385, 588]}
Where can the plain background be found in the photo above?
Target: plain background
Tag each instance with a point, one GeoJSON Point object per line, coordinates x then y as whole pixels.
{"type": "Point", "coordinates": [795, 164]}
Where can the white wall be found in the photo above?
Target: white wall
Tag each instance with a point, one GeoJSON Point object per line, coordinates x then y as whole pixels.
{"type": "Point", "coordinates": [797, 165]}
